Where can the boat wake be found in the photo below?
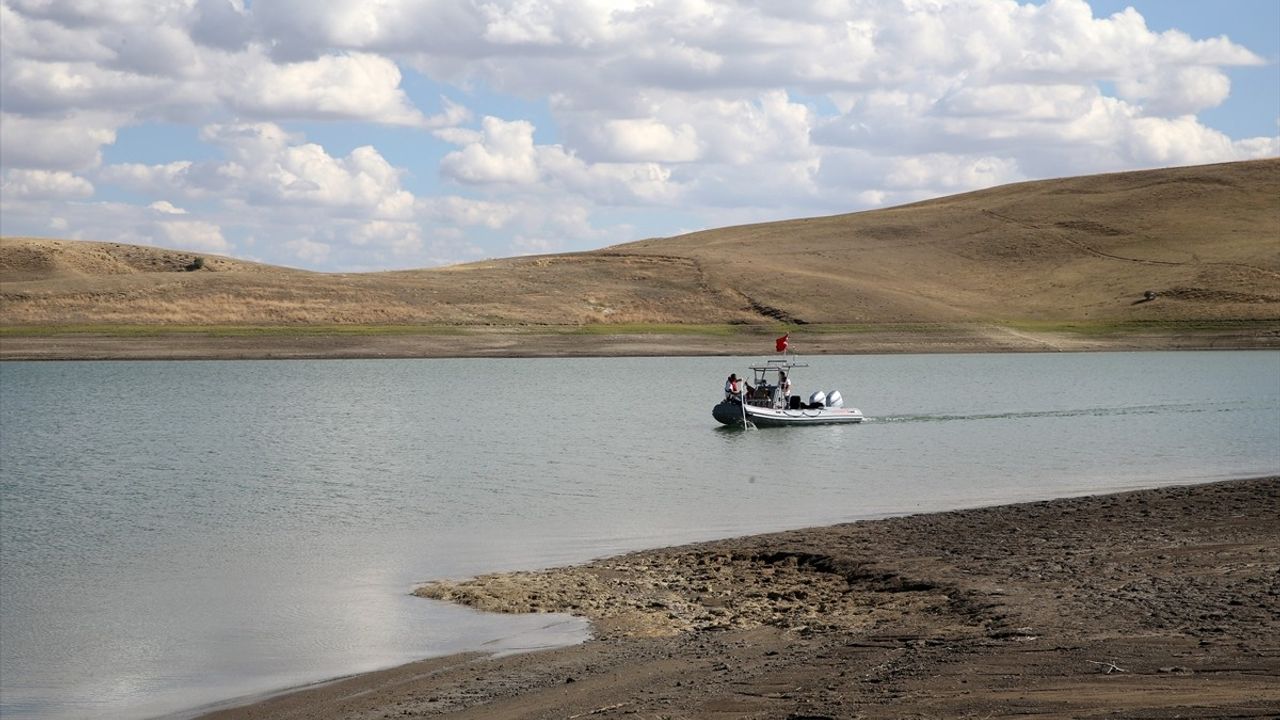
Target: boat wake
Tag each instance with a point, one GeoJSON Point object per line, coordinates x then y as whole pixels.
{"type": "Point", "coordinates": [1065, 413]}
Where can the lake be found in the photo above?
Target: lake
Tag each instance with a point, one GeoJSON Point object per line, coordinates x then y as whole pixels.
{"type": "Point", "coordinates": [175, 534]}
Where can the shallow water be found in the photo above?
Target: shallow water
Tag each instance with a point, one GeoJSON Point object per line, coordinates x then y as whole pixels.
{"type": "Point", "coordinates": [179, 533]}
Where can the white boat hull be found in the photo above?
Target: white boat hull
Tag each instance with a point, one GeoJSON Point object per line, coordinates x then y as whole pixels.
{"type": "Point", "coordinates": [731, 413]}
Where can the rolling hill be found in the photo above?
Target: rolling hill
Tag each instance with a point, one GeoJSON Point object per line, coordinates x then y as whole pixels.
{"type": "Point", "coordinates": [1204, 240]}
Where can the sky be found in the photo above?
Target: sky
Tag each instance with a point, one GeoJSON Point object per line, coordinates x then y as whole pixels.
{"type": "Point", "coordinates": [353, 135]}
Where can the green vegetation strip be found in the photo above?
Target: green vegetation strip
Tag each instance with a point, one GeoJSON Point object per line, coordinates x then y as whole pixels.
{"type": "Point", "coordinates": [656, 329]}
{"type": "Point", "coordinates": [360, 330]}
{"type": "Point", "coordinates": [1078, 328]}
{"type": "Point", "coordinates": [227, 330]}
{"type": "Point", "coordinates": [729, 330]}
{"type": "Point", "coordinates": [860, 328]}
{"type": "Point", "coordinates": [1103, 328]}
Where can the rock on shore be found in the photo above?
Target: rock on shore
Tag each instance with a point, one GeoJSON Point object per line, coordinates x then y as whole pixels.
{"type": "Point", "coordinates": [1154, 604]}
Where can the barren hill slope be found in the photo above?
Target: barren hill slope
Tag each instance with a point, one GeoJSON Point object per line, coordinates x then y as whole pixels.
{"type": "Point", "coordinates": [1205, 239]}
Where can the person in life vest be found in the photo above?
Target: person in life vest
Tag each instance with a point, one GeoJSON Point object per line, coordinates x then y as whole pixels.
{"type": "Point", "coordinates": [784, 389]}
{"type": "Point", "coordinates": [733, 388]}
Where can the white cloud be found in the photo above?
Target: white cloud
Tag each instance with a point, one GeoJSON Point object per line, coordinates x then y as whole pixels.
{"type": "Point", "coordinates": [72, 142]}
{"type": "Point", "coordinates": [1021, 102]}
{"type": "Point", "coordinates": [349, 86]}
{"type": "Point", "coordinates": [503, 153]}
{"type": "Point", "coordinates": [223, 24]}
{"type": "Point", "coordinates": [32, 87]}
{"type": "Point", "coordinates": [44, 185]}
{"type": "Point", "coordinates": [769, 127]}
{"type": "Point", "coordinates": [167, 208]}
{"type": "Point", "coordinates": [267, 165]}
{"type": "Point", "coordinates": [402, 238]}
{"type": "Point", "coordinates": [149, 50]}
{"type": "Point", "coordinates": [145, 61]}
{"type": "Point", "coordinates": [81, 13]}
{"type": "Point", "coordinates": [608, 183]}
{"type": "Point", "coordinates": [111, 222]}
{"type": "Point", "coordinates": [944, 174]}
{"type": "Point", "coordinates": [37, 38]}
{"type": "Point", "coordinates": [308, 251]}
{"type": "Point", "coordinates": [725, 109]}
{"type": "Point", "coordinates": [147, 178]}
{"type": "Point", "coordinates": [1153, 142]}
{"type": "Point", "coordinates": [466, 212]}
{"type": "Point", "coordinates": [552, 226]}
{"type": "Point", "coordinates": [1179, 91]}
{"type": "Point", "coordinates": [647, 139]}
{"type": "Point", "coordinates": [195, 235]}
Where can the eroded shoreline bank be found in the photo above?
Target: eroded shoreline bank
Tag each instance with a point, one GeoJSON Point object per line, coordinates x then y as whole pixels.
{"type": "Point", "coordinates": [300, 343]}
{"type": "Point", "coordinates": [1154, 603]}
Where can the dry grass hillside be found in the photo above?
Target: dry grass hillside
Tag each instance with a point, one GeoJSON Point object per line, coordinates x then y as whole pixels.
{"type": "Point", "coordinates": [1205, 240]}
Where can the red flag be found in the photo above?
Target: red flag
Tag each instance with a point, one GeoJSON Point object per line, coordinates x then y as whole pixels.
{"type": "Point", "coordinates": [781, 343]}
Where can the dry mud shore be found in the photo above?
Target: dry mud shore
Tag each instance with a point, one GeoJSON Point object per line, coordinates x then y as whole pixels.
{"type": "Point", "coordinates": [1149, 604]}
{"type": "Point", "coordinates": [508, 342]}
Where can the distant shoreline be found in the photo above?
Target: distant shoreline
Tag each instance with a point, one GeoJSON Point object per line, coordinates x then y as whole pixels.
{"type": "Point", "coordinates": [364, 342]}
{"type": "Point", "coordinates": [1157, 603]}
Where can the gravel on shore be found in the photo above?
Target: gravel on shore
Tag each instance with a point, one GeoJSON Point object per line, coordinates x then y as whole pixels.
{"type": "Point", "coordinates": [1149, 604]}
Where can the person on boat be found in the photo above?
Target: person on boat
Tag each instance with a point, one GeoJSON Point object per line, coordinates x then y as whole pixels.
{"type": "Point", "coordinates": [784, 388]}
{"type": "Point", "coordinates": [733, 388]}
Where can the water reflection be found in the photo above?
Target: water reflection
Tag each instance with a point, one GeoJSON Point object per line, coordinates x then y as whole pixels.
{"type": "Point", "coordinates": [176, 533]}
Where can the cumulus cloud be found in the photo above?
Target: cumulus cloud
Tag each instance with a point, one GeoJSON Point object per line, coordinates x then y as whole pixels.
{"type": "Point", "coordinates": [1179, 91]}
{"type": "Point", "coordinates": [142, 61]}
{"type": "Point", "coordinates": [88, 219]}
{"type": "Point", "coordinates": [45, 185]}
{"type": "Point", "coordinates": [308, 251]}
{"type": "Point", "coordinates": [167, 208]}
{"type": "Point", "coordinates": [402, 238]}
{"type": "Point", "coordinates": [1151, 141]}
{"type": "Point", "coordinates": [195, 235]}
{"type": "Point", "coordinates": [1019, 102]}
{"type": "Point", "coordinates": [346, 86]}
{"type": "Point", "coordinates": [552, 226]}
{"type": "Point", "coordinates": [70, 142]}
{"type": "Point", "coordinates": [48, 87]}
{"type": "Point", "coordinates": [465, 212]}
{"type": "Point", "coordinates": [86, 13]}
{"type": "Point", "coordinates": [222, 24]}
{"type": "Point", "coordinates": [948, 173]}
{"type": "Point", "coordinates": [725, 109]}
{"type": "Point", "coordinates": [267, 165]}
{"type": "Point", "coordinates": [148, 178]}
{"type": "Point", "coordinates": [645, 139]}
{"type": "Point", "coordinates": [37, 38]}
{"type": "Point", "coordinates": [502, 153]}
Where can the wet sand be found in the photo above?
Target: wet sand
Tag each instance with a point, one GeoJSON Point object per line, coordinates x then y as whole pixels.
{"type": "Point", "coordinates": [1149, 604]}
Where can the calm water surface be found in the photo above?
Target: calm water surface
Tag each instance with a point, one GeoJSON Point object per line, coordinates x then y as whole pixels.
{"type": "Point", "coordinates": [177, 534]}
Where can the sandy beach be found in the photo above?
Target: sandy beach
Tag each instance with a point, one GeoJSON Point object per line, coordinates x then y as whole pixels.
{"type": "Point", "coordinates": [1154, 604]}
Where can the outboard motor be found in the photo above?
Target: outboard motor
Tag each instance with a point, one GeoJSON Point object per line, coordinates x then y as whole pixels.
{"type": "Point", "coordinates": [817, 399]}
{"type": "Point", "coordinates": [834, 399]}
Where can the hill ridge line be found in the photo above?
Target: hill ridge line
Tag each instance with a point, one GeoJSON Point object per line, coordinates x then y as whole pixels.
{"type": "Point", "coordinates": [1072, 250]}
